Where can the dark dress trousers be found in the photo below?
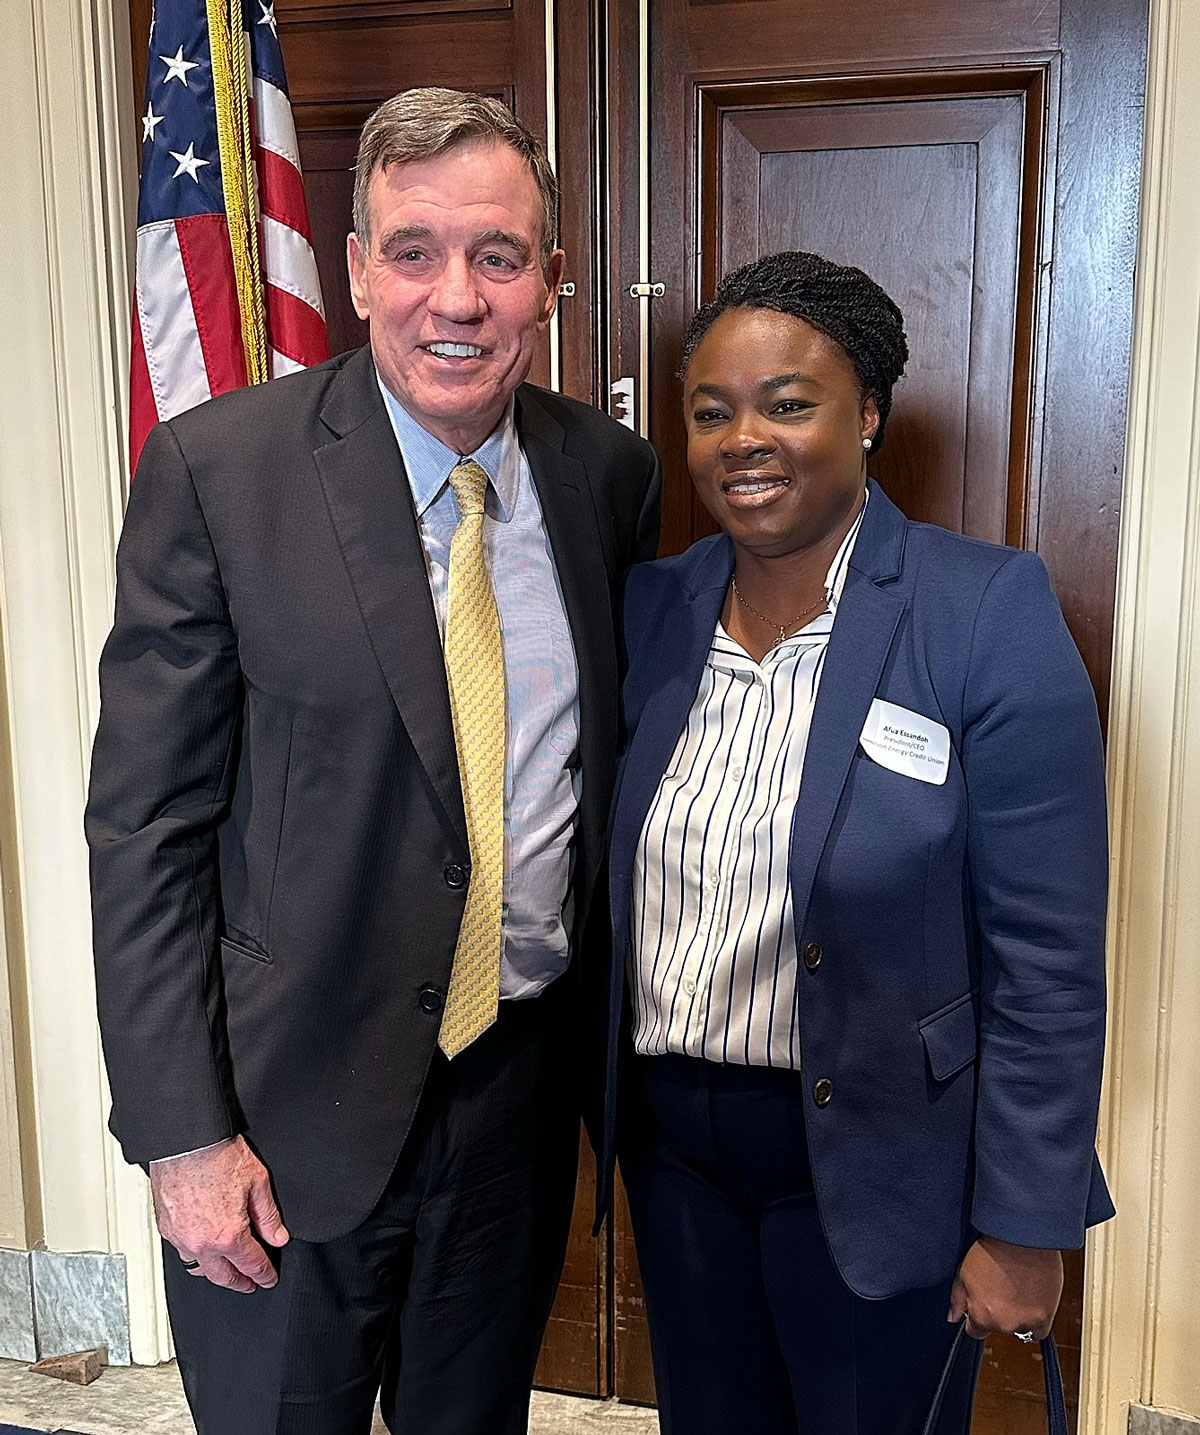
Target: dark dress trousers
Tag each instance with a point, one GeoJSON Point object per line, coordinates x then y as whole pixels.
{"type": "Point", "coordinates": [279, 851]}
{"type": "Point", "coordinates": [951, 1002]}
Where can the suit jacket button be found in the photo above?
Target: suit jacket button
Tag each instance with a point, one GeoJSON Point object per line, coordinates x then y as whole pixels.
{"type": "Point", "coordinates": [430, 1000]}
{"type": "Point", "coordinates": [823, 1091]}
{"type": "Point", "coordinates": [812, 956]}
{"type": "Point", "coordinates": [455, 875]}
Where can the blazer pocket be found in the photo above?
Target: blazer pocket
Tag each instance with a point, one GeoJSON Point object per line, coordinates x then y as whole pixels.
{"type": "Point", "coordinates": [951, 1038]}
{"type": "Point", "coordinates": [243, 948]}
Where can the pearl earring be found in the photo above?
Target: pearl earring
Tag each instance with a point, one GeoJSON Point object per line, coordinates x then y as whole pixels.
{"type": "Point", "coordinates": [867, 442]}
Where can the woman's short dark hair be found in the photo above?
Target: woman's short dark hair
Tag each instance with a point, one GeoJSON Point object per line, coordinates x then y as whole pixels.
{"type": "Point", "coordinates": [839, 300]}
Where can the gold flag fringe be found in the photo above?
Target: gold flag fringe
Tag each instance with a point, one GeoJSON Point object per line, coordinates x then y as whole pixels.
{"type": "Point", "coordinates": [231, 90]}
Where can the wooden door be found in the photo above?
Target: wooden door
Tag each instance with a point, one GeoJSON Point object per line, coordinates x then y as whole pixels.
{"type": "Point", "coordinates": [981, 161]}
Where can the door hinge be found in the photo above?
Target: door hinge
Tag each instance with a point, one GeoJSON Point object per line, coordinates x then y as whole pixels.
{"type": "Point", "coordinates": [647, 291]}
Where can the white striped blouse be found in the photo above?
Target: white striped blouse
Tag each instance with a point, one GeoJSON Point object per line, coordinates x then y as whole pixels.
{"type": "Point", "coordinates": [714, 962]}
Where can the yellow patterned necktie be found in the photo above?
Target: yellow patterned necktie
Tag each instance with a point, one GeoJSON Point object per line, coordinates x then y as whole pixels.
{"type": "Point", "coordinates": [475, 673]}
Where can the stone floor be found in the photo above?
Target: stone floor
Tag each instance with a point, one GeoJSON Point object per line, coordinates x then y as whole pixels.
{"type": "Point", "coordinates": [148, 1401]}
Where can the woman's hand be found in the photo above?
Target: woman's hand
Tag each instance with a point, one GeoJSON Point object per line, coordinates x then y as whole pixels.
{"type": "Point", "coordinates": [1002, 1289]}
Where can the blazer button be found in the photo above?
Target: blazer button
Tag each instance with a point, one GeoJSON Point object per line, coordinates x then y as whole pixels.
{"type": "Point", "coordinates": [812, 956]}
{"type": "Point", "coordinates": [430, 1000]}
{"type": "Point", "coordinates": [823, 1091]}
{"type": "Point", "coordinates": [455, 875]}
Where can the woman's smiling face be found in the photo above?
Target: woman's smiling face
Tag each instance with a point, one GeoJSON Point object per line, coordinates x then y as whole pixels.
{"type": "Point", "coordinates": [775, 423]}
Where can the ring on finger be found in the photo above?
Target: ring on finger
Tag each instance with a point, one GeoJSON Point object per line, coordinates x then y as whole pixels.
{"type": "Point", "coordinates": [190, 1265]}
{"type": "Point", "coordinates": [1026, 1337]}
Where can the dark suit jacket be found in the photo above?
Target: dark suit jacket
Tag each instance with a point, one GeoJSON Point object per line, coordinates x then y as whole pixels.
{"type": "Point", "coordinates": [958, 1004]}
{"type": "Point", "coordinates": [275, 819]}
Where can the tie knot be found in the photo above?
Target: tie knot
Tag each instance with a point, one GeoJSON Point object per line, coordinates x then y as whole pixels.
{"type": "Point", "coordinates": [469, 482]}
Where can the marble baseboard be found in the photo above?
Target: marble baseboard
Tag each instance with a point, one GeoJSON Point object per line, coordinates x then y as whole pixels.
{"type": "Point", "coordinates": [53, 1303]}
{"type": "Point", "coordinates": [1145, 1420]}
{"type": "Point", "coordinates": [18, 1335]}
{"type": "Point", "coordinates": [79, 1301]}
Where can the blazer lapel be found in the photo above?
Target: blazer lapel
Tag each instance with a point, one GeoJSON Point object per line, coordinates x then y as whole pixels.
{"type": "Point", "coordinates": [867, 619]}
{"type": "Point", "coordinates": [370, 504]}
{"type": "Point", "coordinates": [565, 496]}
{"type": "Point", "coordinates": [684, 640]}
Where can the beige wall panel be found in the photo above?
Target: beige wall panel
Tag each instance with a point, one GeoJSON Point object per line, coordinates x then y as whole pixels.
{"type": "Point", "coordinates": [1143, 1326]}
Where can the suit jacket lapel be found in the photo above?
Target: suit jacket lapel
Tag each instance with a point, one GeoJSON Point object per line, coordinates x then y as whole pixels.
{"type": "Point", "coordinates": [565, 496]}
{"type": "Point", "coordinates": [867, 619]}
{"type": "Point", "coordinates": [370, 504]}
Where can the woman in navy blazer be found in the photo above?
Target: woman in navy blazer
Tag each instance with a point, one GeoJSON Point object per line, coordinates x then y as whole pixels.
{"type": "Point", "coordinates": [858, 878]}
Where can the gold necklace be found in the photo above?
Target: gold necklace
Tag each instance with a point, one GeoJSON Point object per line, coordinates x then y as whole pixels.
{"type": "Point", "coordinates": [784, 630]}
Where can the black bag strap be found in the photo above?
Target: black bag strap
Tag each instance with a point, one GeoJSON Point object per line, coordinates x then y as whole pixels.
{"type": "Point", "coordinates": [1056, 1408]}
{"type": "Point", "coordinates": [939, 1395]}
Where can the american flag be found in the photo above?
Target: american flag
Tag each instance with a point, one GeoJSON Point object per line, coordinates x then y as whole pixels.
{"type": "Point", "coordinates": [226, 289]}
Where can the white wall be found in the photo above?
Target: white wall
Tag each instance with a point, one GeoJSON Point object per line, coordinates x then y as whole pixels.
{"type": "Point", "coordinates": [67, 181]}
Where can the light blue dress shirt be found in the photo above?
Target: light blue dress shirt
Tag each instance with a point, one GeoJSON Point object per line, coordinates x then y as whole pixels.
{"type": "Point", "coordinates": [542, 776]}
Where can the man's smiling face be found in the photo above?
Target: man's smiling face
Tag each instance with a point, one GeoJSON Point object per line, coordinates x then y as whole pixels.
{"type": "Point", "coordinates": [453, 285]}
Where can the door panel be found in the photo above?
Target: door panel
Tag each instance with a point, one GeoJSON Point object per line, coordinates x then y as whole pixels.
{"type": "Point", "coordinates": [843, 178]}
{"type": "Point", "coordinates": [756, 37]}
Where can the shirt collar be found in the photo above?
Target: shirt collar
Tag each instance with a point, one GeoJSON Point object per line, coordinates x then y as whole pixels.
{"type": "Point", "coordinates": [835, 579]}
{"type": "Point", "coordinates": [428, 461]}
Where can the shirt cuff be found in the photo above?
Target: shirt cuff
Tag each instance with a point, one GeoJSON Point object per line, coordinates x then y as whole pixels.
{"type": "Point", "coordinates": [179, 1155]}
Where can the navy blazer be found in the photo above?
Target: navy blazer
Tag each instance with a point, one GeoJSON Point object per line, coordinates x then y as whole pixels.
{"type": "Point", "coordinates": [958, 1008]}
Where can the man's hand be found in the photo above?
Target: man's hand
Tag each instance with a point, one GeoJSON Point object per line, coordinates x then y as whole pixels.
{"type": "Point", "coordinates": [211, 1204]}
{"type": "Point", "coordinates": [1002, 1289]}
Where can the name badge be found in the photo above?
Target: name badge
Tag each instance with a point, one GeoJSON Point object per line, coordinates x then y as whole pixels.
{"type": "Point", "coordinates": [905, 742]}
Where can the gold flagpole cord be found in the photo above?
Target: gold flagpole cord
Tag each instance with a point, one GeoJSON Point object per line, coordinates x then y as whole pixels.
{"type": "Point", "coordinates": [231, 93]}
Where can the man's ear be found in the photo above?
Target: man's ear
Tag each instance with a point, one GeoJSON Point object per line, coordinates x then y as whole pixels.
{"type": "Point", "coordinates": [552, 271]}
{"type": "Point", "coordinates": [356, 263]}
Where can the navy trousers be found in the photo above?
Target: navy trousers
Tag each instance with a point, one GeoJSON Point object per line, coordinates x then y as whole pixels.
{"type": "Point", "coordinates": [751, 1326]}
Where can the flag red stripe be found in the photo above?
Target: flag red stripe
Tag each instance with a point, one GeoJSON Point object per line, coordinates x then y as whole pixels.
{"type": "Point", "coordinates": [281, 191]}
{"type": "Point", "coordinates": [296, 329]}
{"type": "Point", "coordinates": [208, 264]}
{"type": "Point", "coordinates": [142, 412]}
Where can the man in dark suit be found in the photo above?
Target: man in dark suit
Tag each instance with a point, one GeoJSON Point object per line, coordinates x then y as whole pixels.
{"type": "Point", "coordinates": [355, 756]}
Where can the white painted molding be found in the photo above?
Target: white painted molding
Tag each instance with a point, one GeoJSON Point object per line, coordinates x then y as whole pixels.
{"type": "Point", "coordinates": [1142, 1327]}
{"type": "Point", "coordinates": [67, 161]}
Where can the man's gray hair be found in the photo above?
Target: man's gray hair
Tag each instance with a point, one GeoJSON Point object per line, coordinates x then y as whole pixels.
{"type": "Point", "coordinates": [418, 124]}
